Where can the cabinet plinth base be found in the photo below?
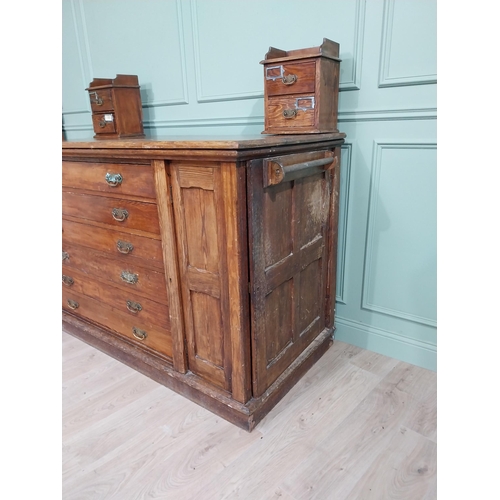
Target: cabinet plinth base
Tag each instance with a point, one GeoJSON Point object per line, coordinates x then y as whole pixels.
{"type": "Point", "coordinates": [216, 400]}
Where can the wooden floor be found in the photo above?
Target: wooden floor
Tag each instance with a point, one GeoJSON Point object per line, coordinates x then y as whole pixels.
{"type": "Point", "coordinates": [358, 425]}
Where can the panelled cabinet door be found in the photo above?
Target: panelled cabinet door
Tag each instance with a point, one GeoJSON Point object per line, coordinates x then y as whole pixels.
{"type": "Point", "coordinates": [201, 240]}
{"type": "Point", "coordinates": [288, 216]}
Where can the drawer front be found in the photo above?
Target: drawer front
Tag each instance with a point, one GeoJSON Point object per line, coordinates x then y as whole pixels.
{"type": "Point", "coordinates": [124, 214]}
{"type": "Point", "coordinates": [116, 178]}
{"type": "Point", "coordinates": [127, 276]}
{"type": "Point", "coordinates": [101, 100]}
{"type": "Point", "coordinates": [123, 301]}
{"type": "Point", "coordinates": [293, 78]}
{"type": "Point", "coordinates": [290, 111]}
{"type": "Point", "coordinates": [126, 248]}
{"type": "Point", "coordinates": [104, 123]}
{"type": "Point", "coordinates": [135, 329]}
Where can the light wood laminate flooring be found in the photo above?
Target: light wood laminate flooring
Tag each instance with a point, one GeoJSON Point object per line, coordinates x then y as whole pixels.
{"type": "Point", "coordinates": [358, 425]}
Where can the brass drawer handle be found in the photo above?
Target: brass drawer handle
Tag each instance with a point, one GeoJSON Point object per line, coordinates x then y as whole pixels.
{"type": "Point", "coordinates": [124, 246]}
{"type": "Point", "coordinates": [119, 214]}
{"type": "Point", "coordinates": [289, 113]}
{"type": "Point", "coordinates": [114, 180]}
{"type": "Point", "coordinates": [134, 307]}
{"type": "Point", "coordinates": [139, 334]}
{"type": "Point", "coordinates": [67, 280]}
{"type": "Point", "coordinates": [65, 256]}
{"type": "Point", "coordinates": [289, 79]}
{"type": "Point", "coordinates": [102, 124]}
{"type": "Point", "coordinates": [129, 277]}
{"type": "Point", "coordinates": [72, 304]}
{"type": "Point", "coordinates": [95, 100]}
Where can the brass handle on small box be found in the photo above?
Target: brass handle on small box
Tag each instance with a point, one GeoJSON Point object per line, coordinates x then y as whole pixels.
{"type": "Point", "coordinates": [129, 277]}
{"type": "Point", "coordinates": [67, 280]}
{"type": "Point", "coordinates": [72, 304]}
{"type": "Point", "coordinates": [134, 307]}
{"type": "Point", "coordinates": [65, 256]}
{"type": "Point", "coordinates": [124, 246]}
{"type": "Point", "coordinates": [289, 79]}
{"type": "Point", "coordinates": [114, 179]}
{"type": "Point", "coordinates": [119, 214]}
{"type": "Point", "coordinates": [139, 334]}
{"type": "Point", "coordinates": [97, 100]}
{"type": "Point", "coordinates": [289, 113]}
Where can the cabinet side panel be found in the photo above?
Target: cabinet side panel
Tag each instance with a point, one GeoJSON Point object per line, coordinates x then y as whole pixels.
{"type": "Point", "coordinates": [288, 266]}
{"type": "Point", "coordinates": [201, 247]}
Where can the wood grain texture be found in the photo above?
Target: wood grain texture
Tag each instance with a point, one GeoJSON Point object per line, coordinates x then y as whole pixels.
{"type": "Point", "coordinates": [341, 432]}
{"type": "Point", "coordinates": [140, 215]}
{"type": "Point", "coordinates": [169, 251]}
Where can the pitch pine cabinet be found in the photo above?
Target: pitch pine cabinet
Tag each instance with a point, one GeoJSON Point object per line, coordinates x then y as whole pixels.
{"type": "Point", "coordinates": [207, 264]}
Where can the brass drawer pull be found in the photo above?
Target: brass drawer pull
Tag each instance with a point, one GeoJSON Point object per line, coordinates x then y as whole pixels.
{"type": "Point", "coordinates": [95, 100]}
{"type": "Point", "coordinates": [289, 113]}
{"type": "Point", "coordinates": [134, 307]}
{"type": "Point", "coordinates": [119, 214]}
{"type": "Point", "coordinates": [65, 256]}
{"type": "Point", "coordinates": [102, 124]}
{"type": "Point", "coordinates": [114, 180]}
{"type": "Point", "coordinates": [67, 280]}
{"type": "Point", "coordinates": [124, 246]}
{"type": "Point", "coordinates": [139, 334]}
{"type": "Point", "coordinates": [72, 304]}
{"type": "Point", "coordinates": [129, 277]}
{"type": "Point", "coordinates": [289, 79]}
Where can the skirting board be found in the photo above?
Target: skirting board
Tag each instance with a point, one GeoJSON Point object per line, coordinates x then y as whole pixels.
{"type": "Point", "coordinates": [386, 343]}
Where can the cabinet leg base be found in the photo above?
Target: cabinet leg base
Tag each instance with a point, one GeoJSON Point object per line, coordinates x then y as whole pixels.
{"type": "Point", "coordinates": [189, 385]}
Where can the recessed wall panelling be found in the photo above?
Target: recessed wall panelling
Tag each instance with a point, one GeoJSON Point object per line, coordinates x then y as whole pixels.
{"type": "Point", "coordinates": [139, 38]}
{"type": "Point", "coordinates": [227, 67]}
{"type": "Point", "coordinates": [400, 259]}
{"type": "Point", "coordinates": [409, 39]}
{"type": "Point", "coordinates": [74, 99]}
{"type": "Point", "coordinates": [345, 180]}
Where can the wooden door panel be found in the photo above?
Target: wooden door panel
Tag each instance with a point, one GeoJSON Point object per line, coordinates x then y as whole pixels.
{"type": "Point", "coordinates": [200, 223]}
{"type": "Point", "coordinates": [288, 232]}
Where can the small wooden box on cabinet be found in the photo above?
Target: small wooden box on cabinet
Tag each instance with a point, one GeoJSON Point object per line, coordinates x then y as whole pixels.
{"type": "Point", "coordinates": [208, 265]}
{"type": "Point", "coordinates": [301, 89]}
{"type": "Point", "coordinates": [116, 107]}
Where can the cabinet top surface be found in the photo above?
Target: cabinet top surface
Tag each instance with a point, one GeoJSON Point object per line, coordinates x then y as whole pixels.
{"type": "Point", "coordinates": [234, 142]}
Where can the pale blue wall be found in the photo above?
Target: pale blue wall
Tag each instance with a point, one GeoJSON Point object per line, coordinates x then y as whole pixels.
{"type": "Point", "coordinates": [198, 66]}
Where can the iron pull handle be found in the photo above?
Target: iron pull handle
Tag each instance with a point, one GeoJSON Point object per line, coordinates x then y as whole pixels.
{"type": "Point", "coordinates": [134, 307]}
{"type": "Point", "coordinates": [67, 280]}
{"type": "Point", "coordinates": [119, 214]}
{"type": "Point", "coordinates": [114, 180]}
{"type": "Point", "coordinates": [65, 256]}
{"type": "Point", "coordinates": [138, 333]}
{"type": "Point", "coordinates": [289, 79]}
{"type": "Point", "coordinates": [72, 304]}
{"type": "Point", "coordinates": [124, 246]}
{"type": "Point", "coordinates": [129, 277]}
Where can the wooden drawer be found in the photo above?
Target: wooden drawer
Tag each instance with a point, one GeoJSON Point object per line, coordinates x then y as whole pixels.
{"type": "Point", "coordinates": [122, 213]}
{"type": "Point", "coordinates": [125, 247]}
{"type": "Point", "coordinates": [156, 337]}
{"type": "Point", "coordinates": [101, 100]}
{"type": "Point", "coordinates": [290, 112]}
{"type": "Point", "coordinates": [290, 78]}
{"type": "Point", "coordinates": [140, 280]}
{"type": "Point", "coordinates": [123, 301]}
{"type": "Point", "coordinates": [104, 123]}
{"type": "Point", "coordinates": [117, 178]}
